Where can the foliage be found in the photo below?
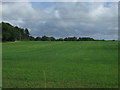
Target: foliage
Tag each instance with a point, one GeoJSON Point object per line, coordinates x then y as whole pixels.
{"type": "Point", "coordinates": [11, 33]}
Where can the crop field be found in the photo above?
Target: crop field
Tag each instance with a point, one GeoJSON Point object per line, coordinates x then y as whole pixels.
{"type": "Point", "coordinates": [60, 64]}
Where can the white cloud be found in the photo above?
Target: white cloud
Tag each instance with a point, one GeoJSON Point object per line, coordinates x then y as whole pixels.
{"type": "Point", "coordinates": [57, 14]}
{"type": "Point", "coordinates": [60, 0]}
{"type": "Point", "coordinates": [65, 19]}
{"type": "Point", "coordinates": [0, 11]}
{"type": "Point", "coordinates": [16, 11]}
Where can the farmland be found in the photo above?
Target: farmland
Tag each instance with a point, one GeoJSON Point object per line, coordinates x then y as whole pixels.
{"type": "Point", "coordinates": [60, 64]}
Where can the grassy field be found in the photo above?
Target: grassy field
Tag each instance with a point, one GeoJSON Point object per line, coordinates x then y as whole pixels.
{"type": "Point", "coordinates": [39, 64]}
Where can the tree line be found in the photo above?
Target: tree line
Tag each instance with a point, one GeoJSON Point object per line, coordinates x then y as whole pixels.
{"type": "Point", "coordinates": [15, 33]}
{"type": "Point", "coordinates": [11, 33]}
{"type": "Point", "coordinates": [45, 38]}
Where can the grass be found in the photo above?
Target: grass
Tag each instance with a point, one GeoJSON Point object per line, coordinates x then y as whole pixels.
{"type": "Point", "coordinates": [0, 65]}
{"type": "Point", "coordinates": [39, 64]}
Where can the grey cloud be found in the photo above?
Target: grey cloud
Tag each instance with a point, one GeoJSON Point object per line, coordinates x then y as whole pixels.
{"type": "Point", "coordinates": [65, 19]}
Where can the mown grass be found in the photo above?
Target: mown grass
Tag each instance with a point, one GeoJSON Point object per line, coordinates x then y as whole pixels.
{"type": "Point", "coordinates": [39, 64]}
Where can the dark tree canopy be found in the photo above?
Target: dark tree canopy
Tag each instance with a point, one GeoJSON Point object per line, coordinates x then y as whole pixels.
{"type": "Point", "coordinates": [15, 33]}
{"type": "Point", "coordinates": [11, 33]}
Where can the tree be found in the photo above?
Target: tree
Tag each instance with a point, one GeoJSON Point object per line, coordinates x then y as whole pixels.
{"type": "Point", "coordinates": [70, 39]}
{"type": "Point", "coordinates": [31, 38]}
{"type": "Point", "coordinates": [51, 39]}
{"type": "Point", "coordinates": [11, 33]}
{"type": "Point", "coordinates": [44, 38]}
{"type": "Point", "coordinates": [85, 39]}
{"type": "Point", "coordinates": [60, 39]}
{"type": "Point", "coordinates": [27, 34]}
{"type": "Point", "coordinates": [38, 39]}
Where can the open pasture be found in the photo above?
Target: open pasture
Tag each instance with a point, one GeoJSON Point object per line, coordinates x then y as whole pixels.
{"type": "Point", "coordinates": [60, 64]}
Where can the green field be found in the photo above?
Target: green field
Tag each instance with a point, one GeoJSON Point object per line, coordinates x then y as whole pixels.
{"type": "Point", "coordinates": [45, 64]}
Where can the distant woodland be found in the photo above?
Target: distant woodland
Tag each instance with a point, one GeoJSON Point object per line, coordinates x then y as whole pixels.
{"type": "Point", "coordinates": [15, 33]}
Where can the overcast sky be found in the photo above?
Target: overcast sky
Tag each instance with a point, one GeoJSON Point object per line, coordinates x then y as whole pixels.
{"type": "Point", "coordinates": [64, 19]}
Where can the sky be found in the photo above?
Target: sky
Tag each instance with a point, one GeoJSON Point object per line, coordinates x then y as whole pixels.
{"type": "Point", "coordinates": [98, 20]}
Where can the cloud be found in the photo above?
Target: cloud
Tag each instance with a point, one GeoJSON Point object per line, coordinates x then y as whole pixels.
{"type": "Point", "coordinates": [0, 11]}
{"type": "Point", "coordinates": [60, 1]}
{"type": "Point", "coordinates": [63, 19]}
{"type": "Point", "coordinates": [18, 11]}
